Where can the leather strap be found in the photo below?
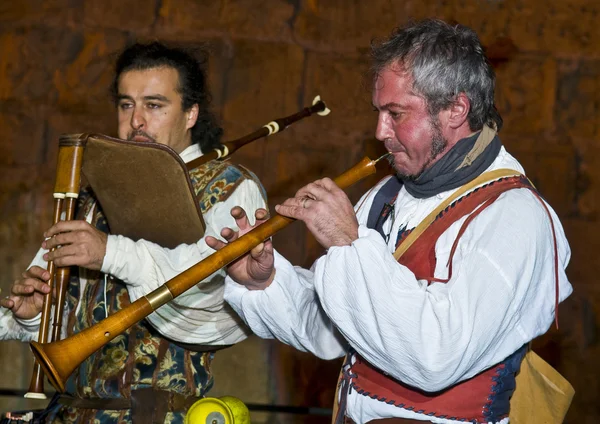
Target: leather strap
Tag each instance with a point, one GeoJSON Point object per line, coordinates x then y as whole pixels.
{"type": "Point", "coordinates": [140, 397]}
{"type": "Point", "coordinates": [95, 403]}
{"type": "Point", "coordinates": [387, 421]}
{"type": "Point", "coordinates": [140, 410]}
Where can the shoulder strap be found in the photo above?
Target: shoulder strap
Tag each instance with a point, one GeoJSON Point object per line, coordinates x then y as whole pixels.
{"type": "Point", "coordinates": [383, 197]}
{"type": "Point", "coordinates": [482, 179]}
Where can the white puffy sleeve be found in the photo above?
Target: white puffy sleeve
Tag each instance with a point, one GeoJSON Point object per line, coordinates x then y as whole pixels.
{"type": "Point", "coordinates": [288, 310]}
{"type": "Point", "coordinates": [12, 328]}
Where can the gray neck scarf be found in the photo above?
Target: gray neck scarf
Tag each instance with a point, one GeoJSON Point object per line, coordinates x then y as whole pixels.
{"type": "Point", "coordinates": [463, 163]}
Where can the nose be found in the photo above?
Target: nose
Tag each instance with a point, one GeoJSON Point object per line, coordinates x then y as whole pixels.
{"type": "Point", "coordinates": [383, 129]}
{"type": "Point", "coordinates": [137, 119]}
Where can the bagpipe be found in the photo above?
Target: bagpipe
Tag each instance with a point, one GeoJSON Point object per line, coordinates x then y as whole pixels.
{"type": "Point", "coordinates": [96, 157]}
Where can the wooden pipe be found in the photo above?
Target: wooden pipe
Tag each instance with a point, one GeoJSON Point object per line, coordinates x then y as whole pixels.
{"type": "Point", "coordinates": [318, 107]}
{"type": "Point", "coordinates": [66, 191]}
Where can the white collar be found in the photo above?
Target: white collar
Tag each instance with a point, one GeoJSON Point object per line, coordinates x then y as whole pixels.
{"type": "Point", "coordinates": [190, 153]}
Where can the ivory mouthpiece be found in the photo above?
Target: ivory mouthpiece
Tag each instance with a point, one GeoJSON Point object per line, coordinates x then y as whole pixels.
{"type": "Point", "coordinates": [325, 111]}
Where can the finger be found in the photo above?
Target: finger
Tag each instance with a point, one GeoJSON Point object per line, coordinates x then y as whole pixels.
{"type": "Point", "coordinates": [37, 272]}
{"type": "Point", "coordinates": [328, 184]}
{"type": "Point", "coordinates": [308, 188]}
{"type": "Point", "coordinates": [66, 226]}
{"type": "Point", "coordinates": [21, 289]}
{"type": "Point", "coordinates": [39, 286]}
{"type": "Point", "coordinates": [268, 245]}
{"type": "Point", "coordinates": [28, 287]}
{"type": "Point", "coordinates": [241, 219]}
{"type": "Point", "coordinates": [5, 302]}
{"type": "Point", "coordinates": [292, 201]}
{"type": "Point", "coordinates": [261, 215]}
{"type": "Point", "coordinates": [291, 211]}
{"type": "Point", "coordinates": [313, 191]}
{"type": "Point", "coordinates": [257, 251]}
{"type": "Point", "coordinates": [61, 239]}
{"type": "Point", "coordinates": [229, 234]}
{"type": "Point", "coordinates": [214, 243]}
{"type": "Point", "coordinates": [70, 260]}
{"type": "Point", "coordinates": [61, 254]}
{"type": "Point", "coordinates": [299, 202]}
{"type": "Point", "coordinates": [300, 190]}
{"type": "Point", "coordinates": [262, 253]}
{"type": "Point", "coordinates": [304, 192]}
{"type": "Point", "coordinates": [238, 212]}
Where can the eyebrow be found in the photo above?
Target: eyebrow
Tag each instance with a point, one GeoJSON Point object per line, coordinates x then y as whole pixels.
{"type": "Point", "coordinates": [390, 105]}
{"type": "Point", "coordinates": [158, 97]}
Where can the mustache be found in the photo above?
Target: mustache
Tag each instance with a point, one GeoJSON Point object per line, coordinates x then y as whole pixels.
{"type": "Point", "coordinates": [141, 133]}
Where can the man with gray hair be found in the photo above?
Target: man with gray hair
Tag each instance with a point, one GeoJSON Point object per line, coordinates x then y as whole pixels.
{"type": "Point", "coordinates": [434, 285]}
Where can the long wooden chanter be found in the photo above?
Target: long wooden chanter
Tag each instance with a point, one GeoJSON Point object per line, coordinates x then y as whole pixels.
{"type": "Point", "coordinates": [66, 191]}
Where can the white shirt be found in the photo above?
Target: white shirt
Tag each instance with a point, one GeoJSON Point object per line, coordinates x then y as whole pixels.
{"type": "Point", "coordinates": [199, 315]}
{"type": "Point", "coordinates": [501, 295]}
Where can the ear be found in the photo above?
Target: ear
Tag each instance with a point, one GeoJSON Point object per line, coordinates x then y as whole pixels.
{"type": "Point", "coordinates": [458, 112]}
{"type": "Point", "coordinates": [192, 116]}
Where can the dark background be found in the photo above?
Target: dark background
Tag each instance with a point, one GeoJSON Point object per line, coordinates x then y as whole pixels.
{"type": "Point", "coordinates": [268, 60]}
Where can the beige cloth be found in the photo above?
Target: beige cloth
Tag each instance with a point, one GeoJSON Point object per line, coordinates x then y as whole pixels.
{"type": "Point", "coordinates": [542, 396]}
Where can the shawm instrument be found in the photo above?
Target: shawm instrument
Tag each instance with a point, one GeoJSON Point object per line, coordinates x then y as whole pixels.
{"type": "Point", "coordinates": [66, 191]}
{"type": "Point", "coordinates": [138, 185]}
{"type": "Point", "coordinates": [59, 359]}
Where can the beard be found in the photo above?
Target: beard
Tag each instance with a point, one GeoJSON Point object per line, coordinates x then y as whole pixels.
{"type": "Point", "coordinates": [438, 145]}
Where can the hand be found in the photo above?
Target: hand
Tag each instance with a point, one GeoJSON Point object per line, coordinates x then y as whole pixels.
{"type": "Point", "coordinates": [326, 211]}
{"type": "Point", "coordinates": [27, 294]}
{"type": "Point", "coordinates": [255, 270]}
{"type": "Point", "coordinates": [76, 243]}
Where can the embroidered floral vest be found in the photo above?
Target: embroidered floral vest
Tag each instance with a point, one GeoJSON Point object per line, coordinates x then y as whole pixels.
{"type": "Point", "coordinates": [140, 357]}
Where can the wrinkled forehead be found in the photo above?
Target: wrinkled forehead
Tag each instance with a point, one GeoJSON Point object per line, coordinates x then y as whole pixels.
{"type": "Point", "coordinates": [397, 67]}
{"type": "Point", "coordinates": [392, 82]}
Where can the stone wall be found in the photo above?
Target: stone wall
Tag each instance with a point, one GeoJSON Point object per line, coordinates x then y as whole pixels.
{"type": "Point", "coordinates": [269, 59]}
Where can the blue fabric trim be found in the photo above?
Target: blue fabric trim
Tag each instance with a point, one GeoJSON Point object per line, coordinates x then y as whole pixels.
{"type": "Point", "coordinates": [504, 386]}
{"type": "Point", "coordinates": [383, 197]}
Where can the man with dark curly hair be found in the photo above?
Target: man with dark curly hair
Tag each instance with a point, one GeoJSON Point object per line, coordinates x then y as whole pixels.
{"type": "Point", "coordinates": [156, 369]}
